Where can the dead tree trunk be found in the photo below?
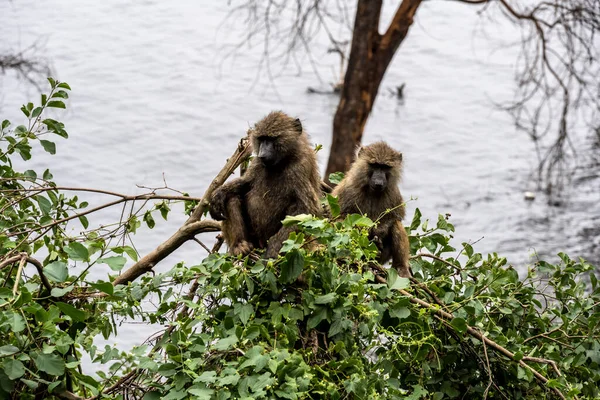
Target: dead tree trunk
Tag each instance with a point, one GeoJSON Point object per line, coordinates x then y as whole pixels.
{"type": "Point", "coordinates": [370, 55]}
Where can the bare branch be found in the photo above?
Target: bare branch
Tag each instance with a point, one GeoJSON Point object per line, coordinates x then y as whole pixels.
{"type": "Point", "coordinates": [193, 225]}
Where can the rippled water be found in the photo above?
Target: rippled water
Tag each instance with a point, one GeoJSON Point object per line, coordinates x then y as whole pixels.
{"type": "Point", "coordinates": [154, 93]}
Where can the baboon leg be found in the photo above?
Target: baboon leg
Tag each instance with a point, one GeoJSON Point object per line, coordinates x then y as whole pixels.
{"type": "Point", "coordinates": [234, 228]}
{"type": "Point", "coordinates": [276, 241]}
{"type": "Point", "coordinates": [400, 250]}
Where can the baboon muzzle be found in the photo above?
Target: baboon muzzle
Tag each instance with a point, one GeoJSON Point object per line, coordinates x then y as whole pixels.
{"type": "Point", "coordinates": [378, 181]}
{"type": "Point", "coordinates": [267, 153]}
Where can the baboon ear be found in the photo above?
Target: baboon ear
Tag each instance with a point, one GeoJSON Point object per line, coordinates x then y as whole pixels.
{"type": "Point", "coordinates": [298, 125]}
{"type": "Point", "coordinates": [399, 156]}
{"type": "Point", "coordinates": [359, 152]}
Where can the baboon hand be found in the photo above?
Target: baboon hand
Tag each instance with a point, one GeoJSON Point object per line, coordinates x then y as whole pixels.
{"type": "Point", "coordinates": [242, 248]}
{"type": "Point", "coordinates": [376, 237]}
{"type": "Point", "coordinates": [378, 242]}
{"type": "Point", "coordinates": [217, 204]}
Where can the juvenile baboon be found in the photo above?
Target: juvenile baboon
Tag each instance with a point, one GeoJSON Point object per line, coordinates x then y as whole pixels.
{"type": "Point", "coordinates": [371, 187]}
{"type": "Point", "coordinates": [283, 179]}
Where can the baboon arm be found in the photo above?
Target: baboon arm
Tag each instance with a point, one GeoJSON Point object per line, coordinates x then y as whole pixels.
{"type": "Point", "coordinates": [222, 195]}
{"type": "Point", "coordinates": [400, 250]}
{"type": "Point", "coordinates": [235, 231]}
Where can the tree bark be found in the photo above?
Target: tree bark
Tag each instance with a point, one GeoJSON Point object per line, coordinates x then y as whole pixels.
{"type": "Point", "coordinates": [370, 55]}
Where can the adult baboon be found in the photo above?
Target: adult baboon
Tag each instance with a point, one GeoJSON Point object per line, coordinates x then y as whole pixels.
{"type": "Point", "coordinates": [371, 187]}
{"type": "Point", "coordinates": [283, 179]}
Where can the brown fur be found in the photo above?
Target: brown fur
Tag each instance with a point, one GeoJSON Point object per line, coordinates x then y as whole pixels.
{"type": "Point", "coordinates": [254, 205]}
{"type": "Point", "coordinates": [355, 196]}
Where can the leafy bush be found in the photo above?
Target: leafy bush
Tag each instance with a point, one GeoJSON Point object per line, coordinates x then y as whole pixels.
{"type": "Point", "coordinates": [321, 321]}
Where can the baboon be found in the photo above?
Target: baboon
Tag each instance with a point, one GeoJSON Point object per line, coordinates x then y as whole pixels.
{"type": "Point", "coordinates": [371, 187]}
{"type": "Point", "coordinates": [283, 179]}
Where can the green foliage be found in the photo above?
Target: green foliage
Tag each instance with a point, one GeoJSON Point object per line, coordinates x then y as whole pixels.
{"type": "Point", "coordinates": [321, 321]}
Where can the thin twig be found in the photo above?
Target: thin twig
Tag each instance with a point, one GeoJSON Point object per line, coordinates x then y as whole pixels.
{"type": "Point", "coordinates": [19, 272]}
{"type": "Point", "coordinates": [457, 268]}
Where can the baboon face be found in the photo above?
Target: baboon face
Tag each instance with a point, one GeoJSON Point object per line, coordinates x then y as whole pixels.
{"type": "Point", "coordinates": [274, 138]}
{"type": "Point", "coordinates": [383, 166]}
{"type": "Point", "coordinates": [379, 175]}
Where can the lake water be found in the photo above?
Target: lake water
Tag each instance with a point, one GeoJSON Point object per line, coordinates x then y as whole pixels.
{"type": "Point", "coordinates": [156, 92]}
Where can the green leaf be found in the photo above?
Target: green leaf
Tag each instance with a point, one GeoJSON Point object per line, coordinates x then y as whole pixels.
{"type": "Point", "coordinates": [49, 146]}
{"type": "Point", "coordinates": [15, 321]}
{"type": "Point", "coordinates": [77, 251]}
{"type": "Point", "coordinates": [105, 287]}
{"type": "Point", "coordinates": [336, 177]}
{"type": "Point", "coordinates": [207, 377]}
{"type": "Point", "coordinates": [64, 85]}
{"type": "Point", "coordinates": [524, 374]}
{"type": "Point", "coordinates": [416, 221]}
{"type": "Point", "coordinates": [56, 271]}
{"type": "Point", "coordinates": [36, 112]}
{"type": "Point", "coordinates": [84, 221]}
{"type": "Point", "coordinates": [400, 283]}
{"type": "Point", "coordinates": [319, 315]}
{"type": "Point", "coordinates": [56, 104]}
{"type": "Point", "coordinates": [44, 203]}
{"type": "Point", "coordinates": [60, 292]}
{"type": "Point", "coordinates": [395, 282]}
{"type": "Point", "coordinates": [5, 124]}
{"type": "Point", "coordinates": [75, 314]}
{"type": "Point", "coordinates": [201, 392]}
{"type": "Point", "coordinates": [14, 369]}
{"type": "Point", "coordinates": [8, 350]}
{"type": "Point", "coordinates": [175, 394]}
{"type": "Point", "coordinates": [418, 393]}
{"type": "Point", "coordinates": [61, 94]}
{"type": "Point", "coordinates": [444, 225]}
{"type": "Point", "coordinates": [244, 312]}
{"type": "Point", "coordinates": [459, 324]}
{"type": "Point", "coordinates": [149, 219]}
{"type": "Point", "coordinates": [333, 205]}
{"type": "Point", "coordinates": [326, 298]}
{"type": "Point", "coordinates": [399, 312]}
{"type": "Point", "coordinates": [116, 263]}
{"type": "Point", "coordinates": [292, 268]}
{"type": "Point", "coordinates": [52, 82]}
{"type": "Point", "coordinates": [30, 384]}
{"type": "Point", "coordinates": [49, 363]}
{"type": "Point", "coordinates": [353, 220]}
{"type": "Point", "coordinates": [226, 343]}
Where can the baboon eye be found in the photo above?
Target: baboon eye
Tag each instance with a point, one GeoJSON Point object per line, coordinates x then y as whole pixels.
{"type": "Point", "coordinates": [383, 167]}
